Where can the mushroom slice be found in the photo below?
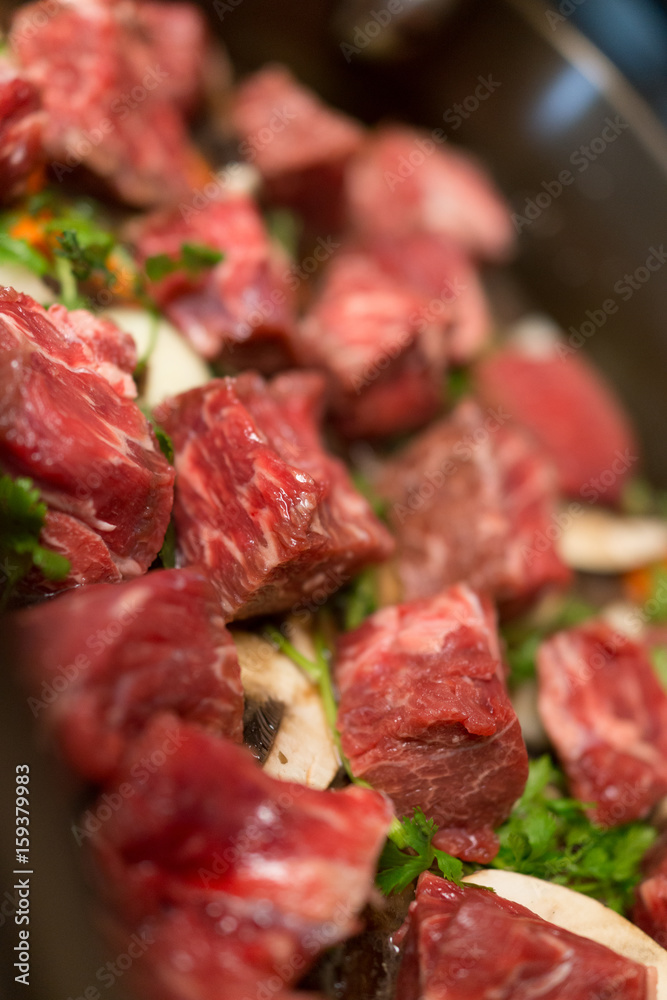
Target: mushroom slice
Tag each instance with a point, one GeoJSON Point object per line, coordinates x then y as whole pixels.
{"type": "Point", "coordinates": [579, 914]}
{"type": "Point", "coordinates": [173, 365]}
{"type": "Point", "coordinates": [597, 541]}
{"type": "Point", "coordinates": [303, 749]}
{"type": "Point", "coordinates": [261, 722]}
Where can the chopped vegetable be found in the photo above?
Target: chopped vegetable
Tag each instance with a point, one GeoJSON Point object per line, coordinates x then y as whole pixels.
{"type": "Point", "coordinates": [549, 836]}
{"type": "Point", "coordinates": [194, 258]}
{"type": "Point", "coordinates": [458, 384]}
{"type": "Point", "coordinates": [409, 852]}
{"type": "Point", "coordinates": [167, 553]}
{"type": "Point", "coordinates": [22, 516]}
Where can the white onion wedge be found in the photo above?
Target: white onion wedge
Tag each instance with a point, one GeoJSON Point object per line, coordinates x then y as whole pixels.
{"type": "Point", "coordinates": [597, 541]}
{"type": "Point", "coordinates": [581, 915]}
{"type": "Point", "coordinates": [173, 366]}
{"type": "Point", "coordinates": [304, 750]}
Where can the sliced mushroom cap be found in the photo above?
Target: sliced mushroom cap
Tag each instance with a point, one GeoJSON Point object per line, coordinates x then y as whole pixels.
{"type": "Point", "coordinates": [581, 915]}
{"type": "Point", "coordinates": [173, 365]}
{"type": "Point", "coordinates": [597, 541]}
{"type": "Point", "coordinates": [303, 750]}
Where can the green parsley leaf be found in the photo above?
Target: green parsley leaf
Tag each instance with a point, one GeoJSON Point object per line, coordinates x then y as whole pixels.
{"type": "Point", "coordinates": [85, 259]}
{"type": "Point", "coordinates": [458, 385]}
{"type": "Point", "coordinates": [194, 258]}
{"type": "Point", "coordinates": [22, 516]}
{"type": "Point", "coordinates": [285, 228]}
{"type": "Point", "coordinates": [165, 442]}
{"type": "Point", "coordinates": [408, 852]}
{"type": "Point", "coordinates": [167, 553]}
{"type": "Point", "coordinates": [359, 600]}
{"type": "Point", "coordinates": [15, 251]}
{"type": "Point", "coordinates": [550, 836]}
{"type": "Point", "coordinates": [659, 661]}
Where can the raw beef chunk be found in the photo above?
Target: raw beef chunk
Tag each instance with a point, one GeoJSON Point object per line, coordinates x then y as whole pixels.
{"type": "Point", "coordinates": [101, 661]}
{"type": "Point", "coordinates": [470, 944]}
{"type": "Point", "coordinates": [259, 503]}
{"type": "Point", "coordinates": [403, 182]}
{"type": "Point", "coordinates": [384, 360]}
{"type": "Point", "coordinates": [471, 499]}
{"type": "Point", "coordinates": [606, 713]}
{"type": "Point", "coordinates": [21, 127]}
{"type": "Point", "coordinates": [571, 412]}
{"type": "Point", "coordinates": [650, 909]}
{"type": "Point", "coordinates": [252, 877]}
{"type": "Point", "coordinates": [111, 90]}
{"type": "Point", "coordinates": [424, 714]}
{"type": "Point", "coordinates": [436, 268]}
{"type": "Point", "coordinates": [67, 421]}
{"type": "Point", "coordinates": [299, 146]}
{"type": "Point", "coordinates": [241, 310]}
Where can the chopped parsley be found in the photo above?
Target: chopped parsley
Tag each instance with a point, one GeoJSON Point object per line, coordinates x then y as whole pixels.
{"type": "Point", "coordinates": [22, 516]}
{"type": "Point", "coordinates": [550, 836]}
{"type": "Point", "coordinates": [409, 852]}
{"type": "Point", "coordinates": [194, 258]}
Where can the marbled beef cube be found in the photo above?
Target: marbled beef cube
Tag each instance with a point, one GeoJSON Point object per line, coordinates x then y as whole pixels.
{"type": "Point", "coordinates": [471, 498]}
{"type": "Point", "coordinates": [605, 712]}
{"type": "Point", "coordinates": [425, 716]}
{"type": "Point", "coordinates": [69, 422]}
{"type": "Point", "coordinates": [471, 944]}
{"type": "Point", "coordinates": [100, 661]}
{"type": "Point", "coordinates": [240, 880]}
{"type": "Point", "coordinates": [259, 503]}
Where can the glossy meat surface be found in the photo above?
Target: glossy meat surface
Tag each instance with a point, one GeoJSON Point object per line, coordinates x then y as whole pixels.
{"type": "Point", "coordinates": [425, 717]}
{"type": "Point", "coordinates": [101, 661]}
{"type": "Point", "coordinates": [259, 503]}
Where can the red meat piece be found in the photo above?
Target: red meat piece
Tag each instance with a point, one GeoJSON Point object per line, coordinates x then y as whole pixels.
{"type": "Point", "coordinates": [299, 145]}
{"type": "Point", "coordinates": [101, 661]}
{"type": "Point", "coordinates": [438, 270]}
{"type": "Point", "coordinates": [650, 909]}
{"type": "Point", "coordinates": [572, 413]}
{"type": "Point", "coordinates": [425, 717]}
{"type": "Point", "coordinates": [253, 875]}
{"type": "Point", "coordinates": [472, 499]}
{"type": "Point", "coordinates": [384, 359]}
{"type": "Point", "coordinates": [241, 310]}
{"type": "Point", "coordinates": [403, 182]}
{"type": "Point", "coordinates": [259, 503]}
{"type": "Point", "coordinates": [111, 90]}
{"type": "Point", "coordinates": [606, 714]}
{"type": "Point", "coordinates": [470, 944]}
{"type": "Point", "coordinates": [21, 127]}
{"type": "Point", "coordinates": [66, 422]}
